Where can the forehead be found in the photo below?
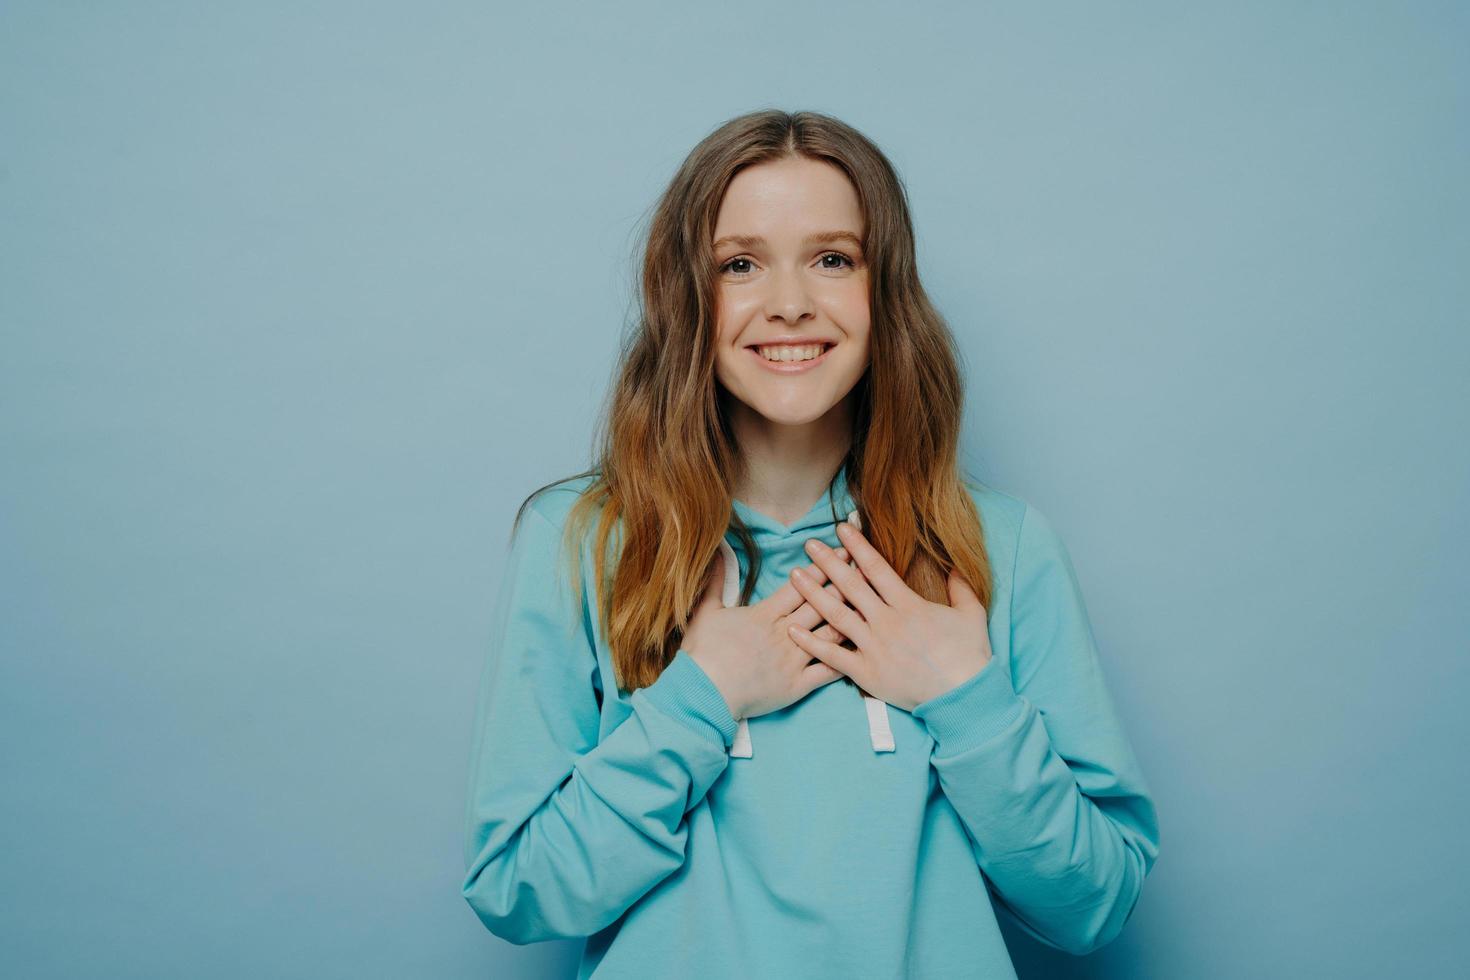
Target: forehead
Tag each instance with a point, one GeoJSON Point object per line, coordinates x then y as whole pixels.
{"type": "Point", "coordinates": [787, 200]}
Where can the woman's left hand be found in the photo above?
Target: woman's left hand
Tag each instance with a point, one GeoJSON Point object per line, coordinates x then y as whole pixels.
{"type": "Point", "coordinates": [909, 650]}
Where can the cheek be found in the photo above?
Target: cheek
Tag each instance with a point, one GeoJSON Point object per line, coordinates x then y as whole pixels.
{"type": "Point", "coordinates": [729, 362]}
{"type": "Point", "coordinates": [725, 361]}
{"type": "Point", "coordinates": [736, 306]}
{"type": "Point", "coordinates": [855, 319]}
{"type": "Point", "coordinates": [730, 318]}
{"type": "Point", "coordinates": [857, 361]}
{"type": "Point", "coordinates": [847, 299]}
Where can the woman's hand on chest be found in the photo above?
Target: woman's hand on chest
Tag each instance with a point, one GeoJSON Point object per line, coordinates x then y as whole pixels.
{"type": "Point", "coordinates": [908, 649]}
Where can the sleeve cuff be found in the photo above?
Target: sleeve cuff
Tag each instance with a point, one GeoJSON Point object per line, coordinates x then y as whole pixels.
{"type": "Point", "coordinates": [976, 710]}
{"type": "Point", "coordinates": [685, 692]}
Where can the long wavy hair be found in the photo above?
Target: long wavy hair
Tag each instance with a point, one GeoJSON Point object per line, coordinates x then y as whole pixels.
{"type": "Point", "coordinates": [666, 458]}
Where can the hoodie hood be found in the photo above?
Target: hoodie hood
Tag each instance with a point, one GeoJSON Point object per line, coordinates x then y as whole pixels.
{"type": "Point", "coordinates": [782, 547]}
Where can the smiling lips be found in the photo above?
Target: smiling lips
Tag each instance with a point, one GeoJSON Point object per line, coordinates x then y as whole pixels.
{"type": "Point", "coordinates": [791, 358]}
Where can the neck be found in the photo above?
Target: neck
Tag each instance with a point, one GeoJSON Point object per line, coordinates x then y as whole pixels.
{"type": "Point", "coordinates": [787, 468]}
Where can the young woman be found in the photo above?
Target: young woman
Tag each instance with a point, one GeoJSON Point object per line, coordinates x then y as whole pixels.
{"type": "Point", "coordinates": [662, 763]}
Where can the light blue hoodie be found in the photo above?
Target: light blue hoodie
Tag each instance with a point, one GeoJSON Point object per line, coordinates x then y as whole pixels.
{"type": "Point", "coordinates": [838, 837]}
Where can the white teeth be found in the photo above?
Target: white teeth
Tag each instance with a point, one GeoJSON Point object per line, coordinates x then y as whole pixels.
{"type": "Point", "coordinates": [791, 352]}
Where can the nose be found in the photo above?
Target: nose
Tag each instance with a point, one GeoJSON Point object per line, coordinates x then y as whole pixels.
{"type": "Point", "coordinates": [788, 298]}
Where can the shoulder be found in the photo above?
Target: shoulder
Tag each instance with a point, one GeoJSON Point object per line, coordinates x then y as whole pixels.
{"type": "Point", "coordinates": [553, 502]}
{"type": "Point", "coordinates": [540, 524]}
{"type": "Point", "coordinates": [537, 545]}
{"type": "Point", "coordinates": [1001, 513]}
{"type": "Point", "coordinates": [1019, 537]}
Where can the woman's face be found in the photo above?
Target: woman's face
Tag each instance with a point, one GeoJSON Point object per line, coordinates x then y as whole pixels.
{"type": "Point", "coordinates": [791, 276]}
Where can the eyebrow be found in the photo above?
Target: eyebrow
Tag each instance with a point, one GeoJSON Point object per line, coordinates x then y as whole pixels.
{"type": "Point", "coordinates": [815, 238]}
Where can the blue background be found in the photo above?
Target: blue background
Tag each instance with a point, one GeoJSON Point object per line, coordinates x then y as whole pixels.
{"type": "Point", "coordinates": [299, 301]}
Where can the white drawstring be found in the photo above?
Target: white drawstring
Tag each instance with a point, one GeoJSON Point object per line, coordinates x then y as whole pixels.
{"type": "Point", "coordinates": [740, 748]}
{"type": "Point", "coordinates": [879, 731]}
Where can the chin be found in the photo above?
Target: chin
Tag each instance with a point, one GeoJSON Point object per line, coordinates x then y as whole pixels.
{"type": "Point", "coordinates": [794, 402]}
{"type": "Point", "coordinates": [791, 411]}
{"type": "Point", "coordinates": [792, 418]}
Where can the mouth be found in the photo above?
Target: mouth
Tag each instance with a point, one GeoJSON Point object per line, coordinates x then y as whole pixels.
{"type": "Point", "coordinates": [791, 358]}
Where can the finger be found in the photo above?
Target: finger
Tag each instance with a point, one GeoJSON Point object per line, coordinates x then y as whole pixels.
{"type": "Point", "coordinates": [855, 588]}
{"type": "Point", "coordinates": [816, 675]}
{"type": "Point", "coordinates": [848, 662]}
{"type": "Point", "coordinates": [842, 617]}
{"type": "Point", "coordinates": [874, 566]}
{"type": "Point", "coordinates": [786, 601]}
{"type": "Point", "coordinates": [829, 633]}
{"type": "Point", "coordinates": [806, 615]}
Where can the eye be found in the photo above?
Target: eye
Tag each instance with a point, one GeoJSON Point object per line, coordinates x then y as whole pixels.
{"type": "Point", "coordinates": [842, 262]}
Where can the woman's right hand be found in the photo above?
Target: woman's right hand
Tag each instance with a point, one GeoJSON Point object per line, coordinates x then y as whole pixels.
{"type": "Point", "coordinates": [747, 651]}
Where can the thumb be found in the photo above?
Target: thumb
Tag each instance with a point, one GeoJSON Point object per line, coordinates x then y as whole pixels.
{"type": "Point", "coordinates": [714, 582]}
{"type": "Point", "coordinates": [961, 596]}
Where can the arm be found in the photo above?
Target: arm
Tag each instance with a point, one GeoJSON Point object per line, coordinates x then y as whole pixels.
{"type": "Point", "coordinates": [1037, 766]}
{"type": "Point", "coordinates": [564, 833]}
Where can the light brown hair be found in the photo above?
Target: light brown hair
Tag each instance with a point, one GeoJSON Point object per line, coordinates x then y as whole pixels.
{"type": "Point", "coordinates": [667, 461]}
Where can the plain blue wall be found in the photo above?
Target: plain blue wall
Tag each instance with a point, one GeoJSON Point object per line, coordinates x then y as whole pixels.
{"type": "Point", "coordinates": [298, 304]}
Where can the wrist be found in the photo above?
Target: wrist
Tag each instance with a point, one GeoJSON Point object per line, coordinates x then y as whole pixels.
{"type": "Point", "coordinates": [737, 711]}
{"type": "Point", "coordinates": [685, 692]}
{"type": "Point", "coordinates": [956, 679]}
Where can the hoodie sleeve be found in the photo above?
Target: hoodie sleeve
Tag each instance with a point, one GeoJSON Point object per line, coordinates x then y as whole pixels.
{"type": "Point", "coordinates": [1038, 767]}
{"type": "Point", "coordinates": [565, 832]}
